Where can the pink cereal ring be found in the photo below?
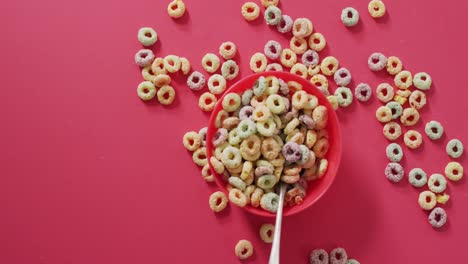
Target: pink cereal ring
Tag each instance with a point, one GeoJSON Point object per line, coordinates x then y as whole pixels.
{"type": "Point", "coordinates": [220, 137]}
{"type": "Point", "coordinates": [394, 172]}
{"type": "Point", "coordinates": [144, 57]}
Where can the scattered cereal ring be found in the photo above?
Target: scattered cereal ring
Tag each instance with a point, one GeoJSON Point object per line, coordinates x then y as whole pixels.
{"type": "Point", "coordinates": [199, 157]}
{"type": "Point", "coordinates": [329, 65]}
{"type": "Point", "coordinates": [146, 90]}
{"type": "Point", "coordinates": [454, 148]}
{"type": "Point", "coordinates": [363, 92]}
{"type": "Point", "coordinates": [344, 96]}
{"type": "Point", "coordinates": [422, 81]}
{"type": "Point", "coordinates": [409, 117]}
{"type": "Point", "coordinates": [383, 114]}
{"type": "Point", "coordinates": [144, 58]}
{"type": "Point", "coordinates": [172, 63]}
{"type": "Point", "coordinates": [231, 102]}
{"type": "Point", "coordinates": [267, 3]}
{"type": "Point", "coordinates": [269, 202]}
{"type": "Point", "coordinates": [349, 16]}
{"type": "Point", "coordinates": [417, 99]}
{"type": "Point", "coordinates": [320, 81]}
{"type": "Point", "coordinates": [338, 256]}
{"type": "Point", "coordinates": [299, 69]}
{"type": "Point", "coordinates": [394, 172]}
{"type": "Point", "coordinates": [196, 81]}
{"type": "Point", "coordinates": [272, 49]}
{"type": "Point", "coordinates": [333, 101]}
{"type": "Point", "coordinates": [250, 11]}
{"type": "Point", "coordinates": [210, 62]}
{"type": "Point", "coordinates": [313, 70]}
{"type": "Point", "coordinates": [267, 232]}
{"type": "Point", "coordinates": [228, 50]}
{"type": "Point", "coordinates": [288, 58]}
{"type": "Point", "coordinates": [285, 25]}
{"type": "Point", "coordinates": [147, 36]}
{"type": "Point", "coordinates": [147, 74]}
{"type": "Point", "coordinates": [185, 66]}
{"type": "Point", "coordinates": [176, 8]}
{"type": "Point", "coordinates": [427, 200]}
{"type": "Point", "coordinates": [438, 217]}
{"type": "Point", "coordinates": [396, 108]}
{"type": "Point", "coordinates": [454, 171]}
{"type": "Point", "coordinates": [392, 130]}
{"type": "Point", "coordinates": [385, 92]}
{"type": "Point", "coordinates": [394, 65]}
{"type": "Point", "coordinates": [244, 249]}
{"type": "Point", "coordinates": [318, 256]}
{"type": "Point", "coordinates": [394, 152]}
{"type": "Point", "coordinates": [298, 45]}
{"type": "Point", "coordinates": [342, 76]}
{"type": "Point", "coordinates": [218, 201]}
{"type": "Point", "coordinates": [434, 130]}
{"type": "Point", "coordinates": [317, 42]}
{"type": "Point", "coordinates": [417, 177]}
{"type": "Point", "coordinates": [377, 61]}
{"type": "Point", "coordinates": [157, 67]}
{"type": "Point", "coordinates": [161, 80]}
{"type": "Point", "coordinates": [230, 70]}
{"type": "Point", "coordinates": [311, 58]}
{"type": "Point", "coordinates": [216, 84]}
{"type": "Point", "coordinates": [376, 8]}
{"type": "Point", "coordinates": [202, 132]}
{"type": "Point", "coordinates": [437, 183]}
{"type": "Point", "coordinates": [274, 67]}
{"type": "Point", "coordinates": [403, 80]}
{"type": "Point", "coordinates": [302, 27]}
{"type": "Point", "coordinates": [272, 15]}
{"type": "Point", "coordinates": [443, 198]}
{"type": "Point", "coordinates": [258, 62]}
{"type": "Point", "coordinates": [207, 102]}
{"type": "Point", "coordinates": [412, 139]}
{"type": "Point", "coordinates": [192, 141]}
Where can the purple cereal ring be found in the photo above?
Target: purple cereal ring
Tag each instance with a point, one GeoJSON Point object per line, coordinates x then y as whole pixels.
{"type": "Point", "coordinates": [394, 172]}
{"type": "Point", "coordinates": [287, 104]}
{"type": "Point", "coordinates": [144, 57]}
{"type": "Point", "coordinates": [272, 50]}
{"type": "Point", "coordinates": [342, 77]}
{"type": "Point", "coordinates": [338, 256]}
{"type": "Point", "coordinates": [318, 256]}
{"type": "Point", "coordinates": [377, 61]}
{"type": "Point", "coordinates": [363, 92]}
{"type": "Point", "coordinates": [220, 137]}
{"type": "Point", "coordinates": [438, 217]}
{"type": "Point", "coordinates": [246, 112]}
{"type": "Point", "coordinates": [292, 152]}
{"type": "Point", "coordinates": [284, 88]}
{"type": "Point", "coordinates": [310, 58]}
{"type": "Point", "coordinates": [285, 24]}
{"type": "Point", "coordinates": [196, 81]}
{"type": "Point", "coordinates": [286, 117]}
{"type": "Point", "coordinates": [307, 121]}
{"type": "Point", "coordinates": [262, 170]}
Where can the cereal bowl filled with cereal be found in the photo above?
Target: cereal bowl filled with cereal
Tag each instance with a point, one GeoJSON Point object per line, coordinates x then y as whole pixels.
{"type": "Point", "coordinates": [269, 128]}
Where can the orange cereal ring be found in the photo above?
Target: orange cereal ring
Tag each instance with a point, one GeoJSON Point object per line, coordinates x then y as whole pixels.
{"type": "Point", "coordinates": [166, 95]}
{"type": "Point", "coordinates": [207, 102]}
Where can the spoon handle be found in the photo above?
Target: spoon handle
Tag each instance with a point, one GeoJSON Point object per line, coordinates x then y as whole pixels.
{"type": "Point", "coordinates": [275, 248]}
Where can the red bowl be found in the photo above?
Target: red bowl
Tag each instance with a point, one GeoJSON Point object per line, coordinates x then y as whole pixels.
{"type": "Point", "coordinates": [317, 188]}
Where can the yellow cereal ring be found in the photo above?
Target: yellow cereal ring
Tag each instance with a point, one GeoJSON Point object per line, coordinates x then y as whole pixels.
{"type": "Point", "coordinates": [147, 74]}
{"type": "Point", "coordinates": [146, 90]}
{"type": "Point", "coordinates": [383, 114]}
{"type": "Point", "coordinates": [313, 70]}
{"type": "Point", "coordinates": [166, 95]}
{"type": "Point", "coordinates": [216, 84]}
{"type": "Point", "coordinates": [302, 27]}
{"type": "Point", "coordinates": [322, 167]}
{"type": "Point", "coordinates": [442, 198]}
{"type": "Point", "coordinates": [185, 66]}
{"type": "Point", "coordinates": [376, 8]}
{"type": "Point", "coordinates": [394, 65]}
{"type": "Point", "coordinates": [320, 81]}
{"type": "Point", "coordinates": [427, 200]}
{"type": "Point", "coordinates": [237, 197]}
{"type": "Point", "coordinates": [161, 80]}
{"type": "Point", "coordinates": [244, 249]}
{"type": "Point", "coordinates": [410, 117]}
{"type": "Point", "coordinates": [157, 67]}
{"type": "Point", "coordinates": [403, 80]}
{"type": "Point", "coordinates": [412, 139]}
{"type": "Point", "coordinates": [317, 42]}
{"type": "Point", "coordinates": [329, 65]}
{"type": "Point", "coordinates": [206, 173]}
{"type": "Point", "coordinates": [210, 62]}
{"type": "Point", "coordinates": [217, 165]}
{"type": "Point", "coordinates": [228, 50]}
{"type": "Point", "coordinates": [400, 99]}
{"type": "Point", "coordinates": [218, 201]}
{"type": "Point", "coordinates": [250, 11]}
{"type": "Point", "coordinates": [192, 141]}
{"type": "Point", "coordinates": [454, 171]}
{"type": "Point", "coordinates": [172, 63]}
{"type": "Point", "coordinates": [199, 157]}
{"type": "Point", "coordinates": [298, 45]}
{"type": "Point", "coordinates": [258, 62]}
{"type": "Point", "coordinates": [207, 102]}
{"type": "Point", "coordinates": [333, 101]}
{"type": "Point", "coordinates": [176, 8]}
{"type": "Point", "coordinates": [267, 3]}
{"type": "Point", "coordinates": [288, 58]}
{"type": "Point", "coordinates": [231, 102]}
{"type": "Point", "coordinates": [267, 231]}
{"type": "Point", "coordinates": [300, 70]}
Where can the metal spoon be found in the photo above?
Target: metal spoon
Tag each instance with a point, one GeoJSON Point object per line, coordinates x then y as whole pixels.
{"type": "Point", "coordinates": [275, 248]}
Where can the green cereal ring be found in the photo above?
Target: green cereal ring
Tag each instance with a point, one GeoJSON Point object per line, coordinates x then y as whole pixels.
{"type": "Point", "coordinates": [147, 36]}
{"type": "Point", "coordinates": [344, 96]}
{"type": "Point", "coordinates": [237, 183]}
{"type": "Point", "coordinates": [305, 155]}
{"type": "Point", "coordinates": [270, 202]}
{"type": "Point", "coordinates": [266, 128]}
{"type": "Point", "coordinates": [275, 103]}
{"type": "Point", "coordinates": [349, 16]}
{"type": "Point", "coordinates": [231, 157]}
{"type": "Point", "coordinates": [454, 148]}
{"type": "Point", "coordinates": [263, 163]}
{"type": "Point", "coordinates": [247, 96]}
{"type": "Point", "coordinates": [234, 137]}
{"type": "Point", "coordinates": [246, 128]}
{"type": "Point", "coordinates": [437, 183]}
{"type": "Point", "coordinates": [273, 15]}
{"type": "Point", "coordinates": [146, 90]}
{"type": "Point", "coordinates": [417, 177]}
{"type": "Point", "coordinates": [422, 81]}
{"type": "Point", "coordinates": [434, 130]}
{"type": "Point", "coordinates": [266, 181]}
{"type": "Point", "coordinates": [231, 102]}
{"type": "Point", "coordinates": [229, 70]}
{"type": "Point", "coordinates": [396, 109]}
{"type": "Point", "coordinates": [259, 86]}
{"type": "Point", "coordinates": [394, 152]}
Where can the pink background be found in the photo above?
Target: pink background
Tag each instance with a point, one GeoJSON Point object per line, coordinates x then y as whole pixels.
{"type": "Point", "coordinates": [90, 174]}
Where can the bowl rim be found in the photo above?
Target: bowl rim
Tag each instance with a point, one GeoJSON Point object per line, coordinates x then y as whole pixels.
{"type": "Point", "coordinates": [332, 116]}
